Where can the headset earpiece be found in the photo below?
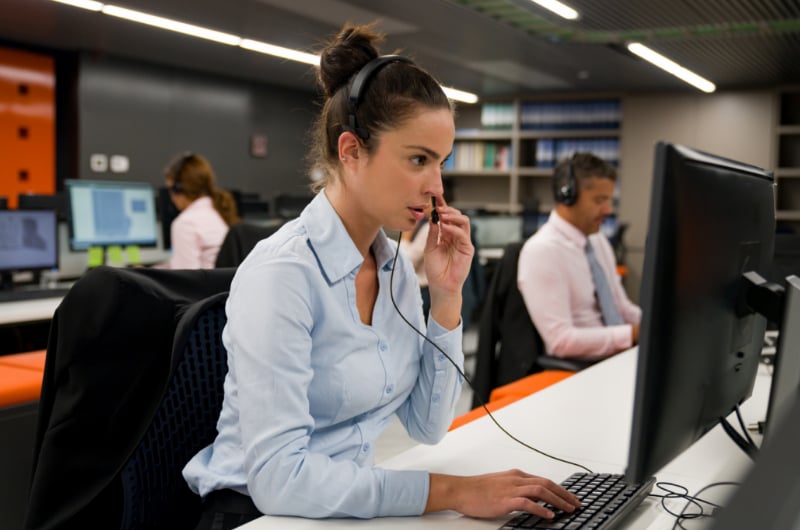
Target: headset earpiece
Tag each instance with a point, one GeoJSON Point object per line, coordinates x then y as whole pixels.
{"type": "Point", "coordinates": [359, 85]}
{"type": "Point", "coordinates": [567, 194]}
{"type": "Point", "coordinates": [180, 165]}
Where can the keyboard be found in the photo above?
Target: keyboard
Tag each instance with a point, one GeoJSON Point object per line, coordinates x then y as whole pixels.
{"type": "Point", "coordinates": [605, 501]}
{"type": "Point", "coordinates": [17, 295]}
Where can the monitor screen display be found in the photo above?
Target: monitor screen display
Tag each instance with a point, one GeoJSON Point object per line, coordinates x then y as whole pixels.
{"type": "Point", "coordinates": [104, 213]}
{"type": "Point", "coordinates": [496, 231]}
{"type": "Point", "coordinates": [28, 240]}
{"type": "Point", "coordinates": [711, 220]}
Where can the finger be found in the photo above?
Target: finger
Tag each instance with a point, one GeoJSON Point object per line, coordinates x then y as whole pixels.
{"type": "Point", "coordinates": [551, 494]}
{"type": "Point", "coordinates": [525, 504]}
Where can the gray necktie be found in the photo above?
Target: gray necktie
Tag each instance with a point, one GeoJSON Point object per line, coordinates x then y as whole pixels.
{"type": "Point", "coordinates": [611, 316]}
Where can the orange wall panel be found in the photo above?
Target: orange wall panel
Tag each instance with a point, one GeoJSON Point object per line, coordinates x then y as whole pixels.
{"type": "Point", "coordinates": [27, 124]}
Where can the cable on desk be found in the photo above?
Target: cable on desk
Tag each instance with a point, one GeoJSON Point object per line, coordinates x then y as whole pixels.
{"type": "Point", "coordinates": [691, 500]}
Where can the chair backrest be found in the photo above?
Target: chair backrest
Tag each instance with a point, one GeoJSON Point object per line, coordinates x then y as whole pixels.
{"type": "Point", "coordinates": [509, 345]}
{"type": "Point", "coordinates": [240, 240]}
{"type": "Point", "coordinates": [153, 490]}
{"type": "Point", "coordinates": [108, 362]}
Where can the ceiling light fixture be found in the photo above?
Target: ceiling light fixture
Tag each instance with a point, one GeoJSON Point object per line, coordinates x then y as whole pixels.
{"type": "Point", "coordinates": [172, 25]}
{"type": "Point", "coordinates": [223, 38]}
{"type": "Point", "coordinates": [280, 51]}
{"type": "Point", "coordinates": [558, 8]}
{"type": "Point", "coordinates": [91, 5]}
{"type": "Point", "coordinates": [460, 95]}
{"type": "Point", "coordinates": [671, 67]}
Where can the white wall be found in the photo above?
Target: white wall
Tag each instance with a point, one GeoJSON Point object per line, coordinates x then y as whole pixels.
{"type": "Point", "coordinates": [736, 125]}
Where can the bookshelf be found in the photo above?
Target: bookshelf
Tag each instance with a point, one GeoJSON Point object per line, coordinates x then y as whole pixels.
{"type": "Point", "coordinates": [504, 153]}
{"type": "Point", "coordinates": [787, 156]}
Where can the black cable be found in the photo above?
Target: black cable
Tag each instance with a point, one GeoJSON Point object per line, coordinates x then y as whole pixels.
{"type": "Point", "coordinates": [677, 491]}
{"type": "Point", "coordinates": [749, 450]}
{"type": "Point", "coordinates": [696, 500]}
{"type": "Point", "coordinates": [462, 374]}
{"type": "Point", "coordinates": [744, 428]}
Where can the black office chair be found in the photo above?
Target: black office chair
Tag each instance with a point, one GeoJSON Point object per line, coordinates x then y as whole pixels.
{"type": "Point", "coordinates": [154, 494]}
{"type": "Point", "coordinates": [509, 346]}
{"type": "Point", "coordinates": [121, 346]}
{"type": "Point", "coordinates": [240, 240]}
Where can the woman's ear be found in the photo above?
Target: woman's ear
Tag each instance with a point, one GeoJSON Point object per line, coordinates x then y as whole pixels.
{"type": "Point", "coordinates": [349, 147]}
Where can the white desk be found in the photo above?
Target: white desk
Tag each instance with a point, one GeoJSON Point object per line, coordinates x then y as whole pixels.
{"type": "Point", "coordinates": [585, 418]}
{"type": "Point", "coordinates": [28, 310]}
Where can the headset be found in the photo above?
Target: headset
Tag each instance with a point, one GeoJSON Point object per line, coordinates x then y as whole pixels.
{"type": "Point", "coordinates": [359, 85]}
{"type": "Point", "coordinates": [177, 186]}
{"type": "Point", "coordinates": [568, 193]}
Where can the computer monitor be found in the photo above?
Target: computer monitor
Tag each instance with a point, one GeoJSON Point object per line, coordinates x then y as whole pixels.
{"type": "Point", "coordinates": [106, 213]}
{"type": "Point", "coordinates": [44, 201]}
{"type": "Point", "coordinates": [28, 242]}
{"type": "Point", "coordinates": [785, 387]}
{"type": "Point", "coordinates": [711, 220]}
{"type": "Point", "coordinates": [496, 231]}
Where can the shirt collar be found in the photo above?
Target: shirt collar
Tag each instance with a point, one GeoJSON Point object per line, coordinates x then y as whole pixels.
{"type": "Point", "coordinates": [567, 229]}
{"type": "Point", "coordinates": [331, 243]}
{"type": "Point", "coordinates": [200, 202]}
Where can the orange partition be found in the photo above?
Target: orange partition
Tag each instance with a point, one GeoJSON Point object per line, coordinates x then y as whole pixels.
{"type": "Point", "coordinates": [27, 124]}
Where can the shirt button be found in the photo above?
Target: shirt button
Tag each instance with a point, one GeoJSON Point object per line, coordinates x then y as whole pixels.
{"type": "Point", "coordinates": [382, 346]}
{"type": "Point", "coordinates": [365, 448]}
{"type": "Point", "coordinates": [390, 389]}
{"type": "Point", "coordinates": [435, 398]}
{"type": "Point", "coordinates": [440, 357]}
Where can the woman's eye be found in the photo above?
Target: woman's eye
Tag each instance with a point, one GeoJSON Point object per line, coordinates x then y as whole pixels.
{"type": "Point", "coordinates": [419, 160]}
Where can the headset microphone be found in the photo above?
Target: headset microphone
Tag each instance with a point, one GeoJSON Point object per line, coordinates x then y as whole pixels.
{"type": "Point", "coordinates": [434, 213]}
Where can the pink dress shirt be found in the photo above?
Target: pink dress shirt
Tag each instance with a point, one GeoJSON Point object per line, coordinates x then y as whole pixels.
{"type": "Point", "coordinates": [556, 284]}
{"type": "Point", "coordinates": [196, 233]}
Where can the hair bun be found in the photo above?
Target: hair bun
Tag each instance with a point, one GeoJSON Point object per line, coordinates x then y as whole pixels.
{"type": "Point", "coordinates": [345, 55]}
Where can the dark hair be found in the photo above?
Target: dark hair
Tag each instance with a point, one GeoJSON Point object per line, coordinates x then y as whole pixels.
{"type": "Point", "coordinates": [393, 94]}
{"type": "Point", "coordinates": [583, 166]}
{"type": "Point", "coordinates": [192, 175]}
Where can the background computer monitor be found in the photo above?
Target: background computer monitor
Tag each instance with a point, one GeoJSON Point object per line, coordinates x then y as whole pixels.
{"type": "Point", "coordinates": [495, 230]}
{"type": "Point", "coordinates": [28, 242]}
{"type": "Point", "coordinates": [44, 201]}
{"type": "Point", "coordinates": [785, 387]}
{"type": "Point", "coordinates": [105, 213]}
{"type": "Point", "coordinates": [711, 220]}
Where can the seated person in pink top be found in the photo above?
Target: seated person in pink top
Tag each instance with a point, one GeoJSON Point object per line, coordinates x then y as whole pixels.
{"type": "Point", "coordinates": [568, 273]}
{"type": "Point", "coordinates": [206, 212]}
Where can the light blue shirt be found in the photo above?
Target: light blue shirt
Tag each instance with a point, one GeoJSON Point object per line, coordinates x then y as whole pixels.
{"type": "Point", "coordinates": [310, 387]}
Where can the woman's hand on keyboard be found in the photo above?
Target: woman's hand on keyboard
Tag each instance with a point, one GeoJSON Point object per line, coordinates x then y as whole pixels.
{"type": "Point", "coordinates": [498, 494]}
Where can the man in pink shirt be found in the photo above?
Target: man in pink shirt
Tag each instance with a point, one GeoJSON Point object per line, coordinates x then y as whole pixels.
{"type": "Point", "coordinates": [568, 273]}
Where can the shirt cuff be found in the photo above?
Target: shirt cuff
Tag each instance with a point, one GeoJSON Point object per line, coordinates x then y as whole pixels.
{"type": "Point", "coordinates": [404, 493]}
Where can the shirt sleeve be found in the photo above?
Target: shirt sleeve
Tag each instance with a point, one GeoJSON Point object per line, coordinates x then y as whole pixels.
{"type": "Point", "coordinates": [273, 366]}
{"type": "Point", "coordinates": [546, 293]}
{"type": "Point", "coordinates": [428, 413]}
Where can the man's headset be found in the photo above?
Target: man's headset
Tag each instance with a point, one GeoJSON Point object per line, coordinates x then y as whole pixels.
{"type": "Point", "coordinates": [180, 165]}
{"type": "Point", "coordinates": [567, 193]}
{"type": "Point", "coordinates": [359, 86]}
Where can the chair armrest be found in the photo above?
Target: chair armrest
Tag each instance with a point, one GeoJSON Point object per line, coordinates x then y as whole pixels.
{"type": "Point", "coordinates": [548, 362]}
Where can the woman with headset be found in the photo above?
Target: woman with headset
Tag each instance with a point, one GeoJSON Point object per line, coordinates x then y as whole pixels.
{"type": "Point", "coordinates": [206, 212]}
{"type": "Point", "coordinates": [325, 335]}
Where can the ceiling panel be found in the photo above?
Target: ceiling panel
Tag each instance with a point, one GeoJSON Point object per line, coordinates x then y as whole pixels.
{"type": "Point", "coordinates": [497, 48]}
